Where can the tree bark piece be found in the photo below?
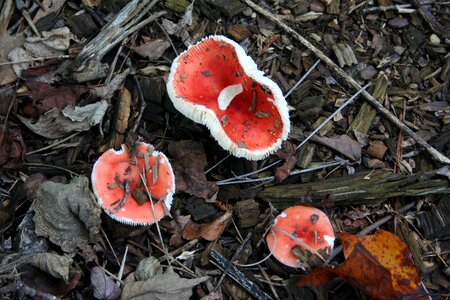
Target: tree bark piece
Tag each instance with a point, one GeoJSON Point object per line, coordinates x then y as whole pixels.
{"type": "Point", "coordinates": [360, 188]}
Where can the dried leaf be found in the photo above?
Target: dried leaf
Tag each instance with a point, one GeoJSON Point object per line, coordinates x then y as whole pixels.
{"type": "Point", "coordinates": [56, 265]}
{"type": "Point", "coordinates": [191, 176]}
{"type": "Point", "coordinates": [50, 44]}
{"type": "Point", "coordinates": [52, 7]}
{"type": "Point", "coordinates": [153, 49]}
{"type": "Point", "coordinates": [342, 144]}
{"type": "Point", "coordinates": [378, 264]}
{"type": "Point", "coordinates": [103, 286]}
{"type": "Point", "coordinates": [12, 147]}
{"type": "Point", "coordinates": [45, 97]}
{"type": "Point", "coordinates": [66, 213]}
{"type": "Point", "coordinates": [210, 231]}
{"type": "Point", "coordinates": [7, 44]}
{"type": "Point", "coordinates": [166, 286]}
{"type": "Point", "coordinates": [56, 123]}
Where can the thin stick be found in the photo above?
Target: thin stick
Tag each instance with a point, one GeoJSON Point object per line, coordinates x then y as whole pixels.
{"type": "Point", "coordinates": [35, 59]}
{"type": "Point", "coordinates": [53, 145]}
{"type": "Point", "coordinates": [109, 245]}
{"type": "Point", "coordinates": [302, 79]}
{"type": "Point", "coordinates": [144, 182]}
{"type": "Point", "coordinates": [295, 172]}
{"type": "Point", "coordinates": [217, 164]}
{"type": "Point", "coordinates": [351, 82]}
{"type": "Point", "coordinates": [122, 266]}
{"type": "Point", "coordinates": [233, 258]}
{"type": "Point", "coordinates": [37, 165]}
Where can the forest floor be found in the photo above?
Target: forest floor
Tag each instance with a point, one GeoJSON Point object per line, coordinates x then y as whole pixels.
{"type": "Point", "coordinates": [367, 88]}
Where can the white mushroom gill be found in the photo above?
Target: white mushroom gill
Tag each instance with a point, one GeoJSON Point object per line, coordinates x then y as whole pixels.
{"type": "Point", "coordinates": [329, 240]}
{"type": "Point", "coordinates": [228, 94]}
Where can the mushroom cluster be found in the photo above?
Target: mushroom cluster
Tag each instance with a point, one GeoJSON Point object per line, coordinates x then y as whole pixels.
{"type": "Point", "coordinates": [215, 83]}
{"type": "Point", "coordinates": [134, 187]}
{"type": "Point", "coordinates": [305, 227]}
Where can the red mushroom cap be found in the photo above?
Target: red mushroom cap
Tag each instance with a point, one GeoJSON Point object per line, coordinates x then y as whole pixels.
{"type": "Point", "coordinates": [307, 224]}
{"type": "Point", "coordinates": [115, 168]}
{"type": "Point", "coordinates": [215, 83]}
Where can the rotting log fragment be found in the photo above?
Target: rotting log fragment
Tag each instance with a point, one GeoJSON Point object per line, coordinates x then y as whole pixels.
{"type": "Point", "coordinates": [367, 113]}
{"type": "Point", "coordinates": [360, 188]}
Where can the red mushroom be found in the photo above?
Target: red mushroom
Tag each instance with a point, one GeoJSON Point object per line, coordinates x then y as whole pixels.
{"type": "Point", "coordinates": [302, 226]}
{"type": "Point", "coordinates": [216, 84]}
{"type": "Point", "coordinates": [119, 189]}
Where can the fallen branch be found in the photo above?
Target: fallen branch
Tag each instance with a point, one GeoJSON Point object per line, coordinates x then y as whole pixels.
{"type": "Point", "coordinates": [360, 188]}
{"type": "Point", "coordinates": [350, 82]}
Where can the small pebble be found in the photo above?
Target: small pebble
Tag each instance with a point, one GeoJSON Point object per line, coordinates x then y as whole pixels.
{"type": "Point", "coordinates": [434, 40]}
{"type": "Point", "coordinates": [247, 12]}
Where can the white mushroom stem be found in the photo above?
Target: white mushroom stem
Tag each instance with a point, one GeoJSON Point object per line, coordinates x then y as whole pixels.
{"type": "Point", "coordinates": [227, 95]}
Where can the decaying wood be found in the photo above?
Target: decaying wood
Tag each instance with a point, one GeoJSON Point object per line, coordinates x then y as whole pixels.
{"type": "Point", "coordinates": [349, 81]}
{"type": "Point", "coordinates": [367, 113]}
{"type": "Point", "coordinates": [360, 188]}
{"type": "Point", "coordinates": [436, 223]}
{"type": "Point", "coordinates": [87, 65]}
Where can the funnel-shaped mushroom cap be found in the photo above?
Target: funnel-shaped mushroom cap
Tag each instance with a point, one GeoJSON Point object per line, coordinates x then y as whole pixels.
{"type": "Point", "coordinates": [308, 224]}
{"type": "Point", "coordinates": [216, 84]}
{"type": "Point", "coordinates": [114, 170]}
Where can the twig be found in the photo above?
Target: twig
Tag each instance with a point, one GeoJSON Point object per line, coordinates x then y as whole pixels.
{"type": "Point", "coordinates": [122, 266]}
{"type": "Point", "coordinates": [400, 8]}
{"type": "Point", "coordinates": [217, 164]}
{"type": "Point", "coordinates": [35, 59]}
{"type": "Point", "coordinates": [351, 82]}
{"type": "Point", "coordinates": [302, 79]}
{"type": "Point", "coordinates": [149, 195]}
{"type": "Point", "coordinates": [222, 263]}
{"type": "Point", "coordinates": [110, 246]}
{"type": "Point", "coordinates": [233, 258]}
{"type": "Point", "coordinates": [126, 188]}
{"type": "Point", "coordinates": [142, 103]}
{"type": "Point", "coordinates": [295, 172]}
{"type": "Point", "coordinates": [52, 145]}
{"type": "Point", "coordinates": [51, 167]}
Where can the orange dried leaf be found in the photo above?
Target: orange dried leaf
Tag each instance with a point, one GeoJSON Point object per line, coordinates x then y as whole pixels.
{"type": "Point", "coordinates": [210, 231]}
{"type": "Point", "coordinates": [378, 264]}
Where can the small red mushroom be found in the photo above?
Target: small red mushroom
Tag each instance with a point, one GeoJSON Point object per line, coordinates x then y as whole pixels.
{"type": "Point", "coordinates": [119, 189]}
{"type": "Point", "coordinates": [308, 225]}
{"type": "Point", "coordinates": [215, 83]}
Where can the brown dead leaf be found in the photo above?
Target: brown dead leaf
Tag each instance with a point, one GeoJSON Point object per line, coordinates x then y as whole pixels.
{"type": "Point", "coordinates": [209, 232]}
{"type": "Point", "coordinates": [342, 144]}
{"type": "Point", "coordinates": [104, 287]}
{"type": "Point", "coordinates": [12, 147]}
{"type": "Point", "coordinates": [152, 49]}
{"type": "Point", "coordinates": [7, 43]}
{"type": "Point", "coordinates": [66, 213]}
{"type": "Point", "coordinates": [45, 97]}
{"type": "Point", "coordinates": [168, 285]}
{"type": "Point", "coordinates": [287, 152]}
{"type": "Point", "coordinates": [189, 162]}
{"type": "Point", "coordinates": [378, 264]}
{"type": "Point", "coordinates": [56, 123]}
